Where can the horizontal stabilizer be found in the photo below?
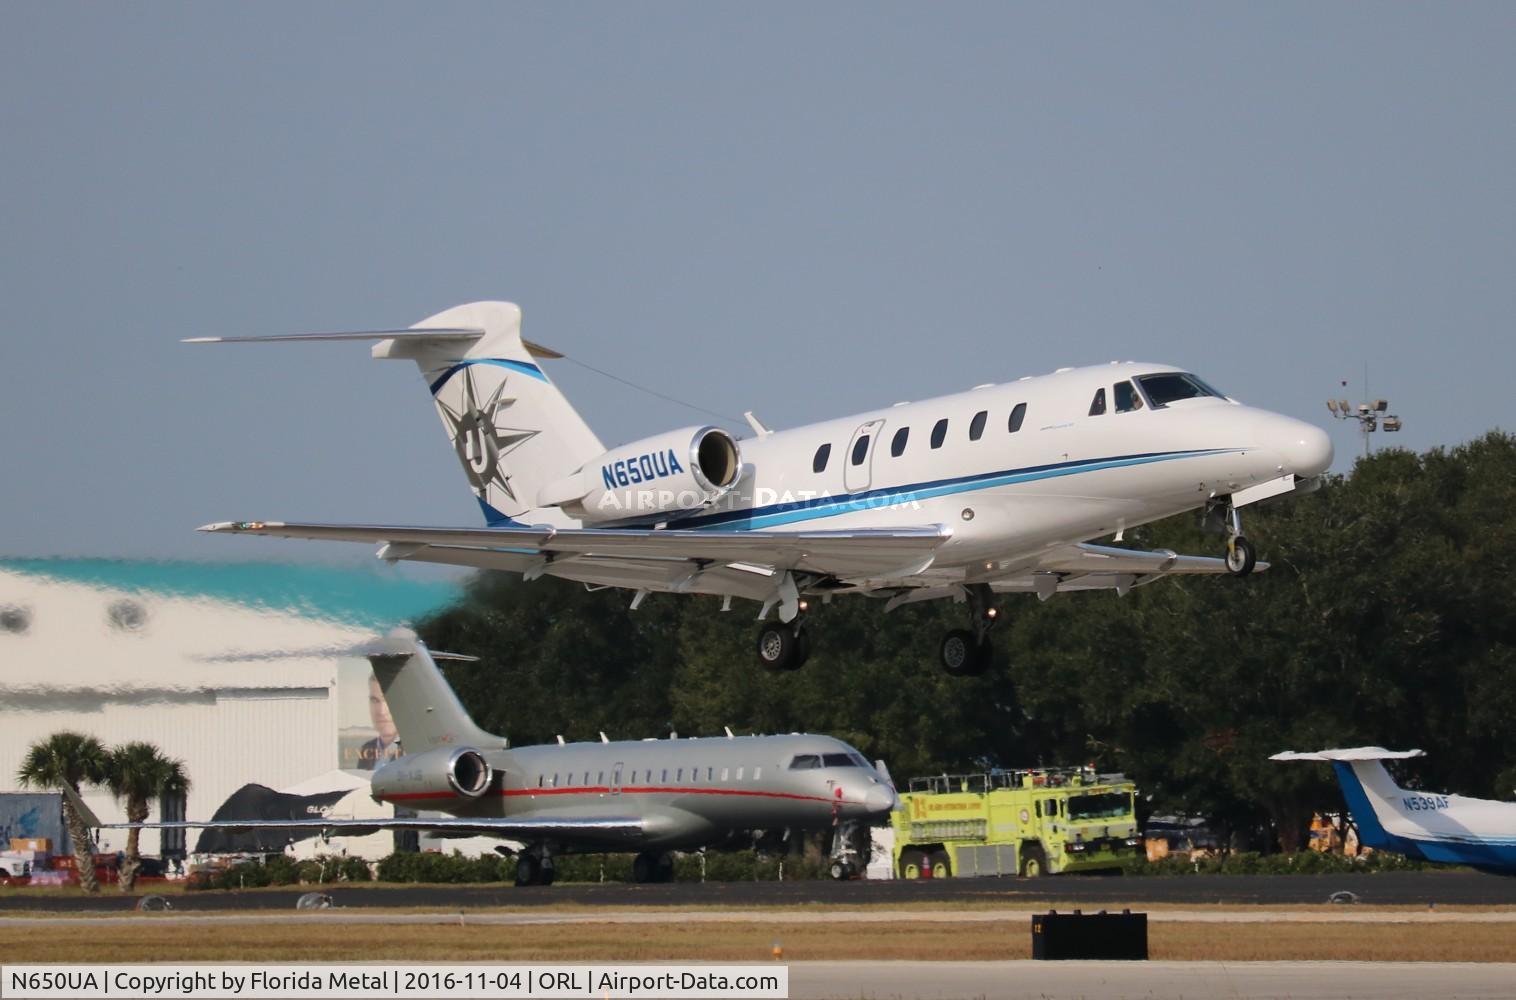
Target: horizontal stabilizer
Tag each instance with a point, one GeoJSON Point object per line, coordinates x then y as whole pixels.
{"type": "Point", "coordinates": [462, 334]}
{"type": "Point", "coordinates": [1349, 754]}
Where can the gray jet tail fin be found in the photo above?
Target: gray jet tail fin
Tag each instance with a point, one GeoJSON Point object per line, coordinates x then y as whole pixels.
{"type": "Point", "coordinates": [427, 713]}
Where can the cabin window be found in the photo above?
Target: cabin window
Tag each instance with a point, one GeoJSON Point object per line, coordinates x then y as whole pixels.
{"type": "Point", "coordinates": [1017, 416]}
{"type": "Point", "coordinates": [1097, 405]}
{"type": "Point", "coordinates": [679, 776]}
{"type": "Point", "coordinates": [665, 778]}
{"type": "Point", "coordinates": [818, 464]}
{"type": "Point", "coordinates": [600, 778]}
{"type": "Point", "coordinates": [541, 780]}
{"type": "Point", "coordinates": [739, 773]}
{"type": "Point", "coordinates": [939, 433]}
{"type": "Point", "coordinates": [805, 762]}
{"type": "Point", "coordinates": [758, 773]}
{"type": "Point", "coordinates": [860, 449]}
{"type": "Point", "coordinates": [1052, 807]}
{"type": "Point", "coordinates": [976, 426]}
{"type": "Point", "coordinates": [897, 446]}
{"type": "Point", "coordinates": [1126, 399]}
{"type": "Point", "coordinates": [725, 773]}
{"type": "Point", "coordinates": [710, 774]}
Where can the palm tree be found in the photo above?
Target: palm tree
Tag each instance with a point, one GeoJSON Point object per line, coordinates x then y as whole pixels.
{"type": "Point", "coordinates": [137, 773]}
{"type": "Point", "coordinates": [71, 759]}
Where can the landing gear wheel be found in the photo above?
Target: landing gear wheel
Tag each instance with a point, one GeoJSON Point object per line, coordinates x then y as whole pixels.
{"type": "Point", "coordinates": [802, 649]}
{"type": "Point", "coordinates": [778, 647]}
{"type": "Point", "coordinates": [841, 871]}
{"type": "Point", "coordinates": [528, 870]}
{"type": "Point", "coordinates": [1033, 864]}
{"type": "Point", "coordinates": [912, 861]}
{"type": "Point", "coordinates": [649, 866]}
{"type": "Point", "coordinates": [1240, 556]}
{"type": "Point", "coordinates": [941, 866]}
{"type": "Point", "coordinates": [663, 870]}
{"type": "Point", "coordinates": [963, 655]}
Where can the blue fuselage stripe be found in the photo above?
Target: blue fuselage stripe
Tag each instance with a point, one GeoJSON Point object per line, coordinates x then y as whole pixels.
{"type": "Point", "coordinates": [812, 508]}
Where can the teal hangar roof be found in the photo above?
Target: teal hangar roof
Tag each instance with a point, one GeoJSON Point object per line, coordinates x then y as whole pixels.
{"type": "Point", "coordinates": [374, 598]}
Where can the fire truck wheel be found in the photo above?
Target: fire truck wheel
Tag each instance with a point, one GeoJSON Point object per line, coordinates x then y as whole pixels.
{"type": "Point", "coordinates": [941, 866]}
{"type": "Point", "coordinates": [1033, 864]}
{"type": "Point", "coordinates": [777, 646]}
{"type": "Point", "coordinates": [912, 861]}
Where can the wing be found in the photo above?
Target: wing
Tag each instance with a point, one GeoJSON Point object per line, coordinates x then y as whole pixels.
{"type": "Point", "coordinates": [739, 562]}
{"type": "Point", "coordinates": [524, 828]}
{"type": "Point", "coordinates": [1105, 567]}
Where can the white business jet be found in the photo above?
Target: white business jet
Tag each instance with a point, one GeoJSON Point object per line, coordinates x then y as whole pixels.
{"type": "Point", "coordinates": [996, 490]}
{"type": "Point", "coordinates": [1451, 829]}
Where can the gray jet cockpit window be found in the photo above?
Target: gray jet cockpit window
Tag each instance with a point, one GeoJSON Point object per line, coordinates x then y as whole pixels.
{"type": "Point", "coordinates": [805, 762]}
{"type": "Point", "coordinates": [838, 760]}
{"type": "Point", "coordinates": [1170, 387]}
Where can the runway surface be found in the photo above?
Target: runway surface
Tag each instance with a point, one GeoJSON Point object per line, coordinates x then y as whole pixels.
{"type": "Point", "coordinates": [1382, 889]}
{"type": "Point", "coordinates": [1298, 980]}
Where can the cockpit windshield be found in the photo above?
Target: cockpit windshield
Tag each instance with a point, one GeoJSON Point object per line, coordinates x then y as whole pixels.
{"type": "Point", "coordinates": [810, 761]}
{"type": "Point", "coordinates": [1169, 387]}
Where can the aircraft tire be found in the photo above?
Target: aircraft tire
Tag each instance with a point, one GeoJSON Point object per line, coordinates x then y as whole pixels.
{"type": "Point", "coordinates": [802, 649]}
{"type": "Point", "coordinates": [778, 647]}
{"type": "Point", "coordinates": [644, 868]}
{"type": "Point", "coordinates": [959, 652]}
{"type": "Point", "coordinates": [1241, 557]}
{"type": "Point", "coordinates": [841, 871]}
{"type": "Point", "coordinates": [663, 869]}
{"type": "Point", "coordinates": [528, 870]}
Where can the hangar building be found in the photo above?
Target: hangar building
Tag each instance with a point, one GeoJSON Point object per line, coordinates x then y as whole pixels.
{"type": "Point", "coordinates": [137, 650]}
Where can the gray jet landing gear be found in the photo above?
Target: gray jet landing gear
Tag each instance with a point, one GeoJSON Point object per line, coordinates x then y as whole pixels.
{"type": "Point", "coordinates": [784, 645]}
{"type": "Point", "coordinates": [966, 653]}
{"type": "Point", "coordinates": [534, 866]}
{"type": "Point", "coordinates": [653, 866]}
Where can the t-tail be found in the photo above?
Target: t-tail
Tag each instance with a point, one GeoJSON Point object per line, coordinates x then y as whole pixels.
{"type": "Point", "coordinates": [512, 429]}
{"type": "Point", "coordinates": [1367, 787]}
{"type": "Point", "coordinates": [426, 711]}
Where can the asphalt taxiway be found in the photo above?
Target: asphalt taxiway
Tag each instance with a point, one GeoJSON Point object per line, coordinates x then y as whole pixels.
{"type": "Point", "coordinates": [1425, 889]}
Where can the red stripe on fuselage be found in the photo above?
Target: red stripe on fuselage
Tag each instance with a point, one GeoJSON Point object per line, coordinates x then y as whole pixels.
{"type": "Point", "coordinates": [637, 790]}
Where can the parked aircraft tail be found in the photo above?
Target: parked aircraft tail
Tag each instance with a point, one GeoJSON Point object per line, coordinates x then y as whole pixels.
{"type": "Point", "coordinates": [427, 713]}
{"type": "Point", "coordinates": [1365, 785]}
{"type": "Point", "coordinates": [513, 430]}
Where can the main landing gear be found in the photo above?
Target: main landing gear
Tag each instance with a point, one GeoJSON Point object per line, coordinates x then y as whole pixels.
{"type": "Point", "coordinates": [534, 866]}
{"type": "Point", "coordinates": [653, 866]}
{"type": "Point", "coordinates": [967, 653]}
{"type": "Point", "coordinates": [784, 645]}
{"type": "Point", "coordinates": [1241, 557]}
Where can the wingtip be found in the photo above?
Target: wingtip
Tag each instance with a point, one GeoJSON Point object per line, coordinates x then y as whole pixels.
{"type": "Point", "coordinates": [200, 340]}
{"type": "Point", "coordinates": [234, 526]}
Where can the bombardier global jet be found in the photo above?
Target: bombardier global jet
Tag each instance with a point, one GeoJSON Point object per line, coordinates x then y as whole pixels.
{"type": "Point", "coordinates": [1000, 489]}
{"type": "Point", "coordinates": [648, 796]}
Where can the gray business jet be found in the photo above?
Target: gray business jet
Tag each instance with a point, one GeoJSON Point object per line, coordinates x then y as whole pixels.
{"type": "Point", "coordinates": [651, 796]}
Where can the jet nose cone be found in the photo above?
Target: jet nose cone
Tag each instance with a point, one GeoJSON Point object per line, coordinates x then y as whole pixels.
{"type": "Point", "coordinates": [881, 799]}
{"type": "Point", "coordinates": [1307, 449]}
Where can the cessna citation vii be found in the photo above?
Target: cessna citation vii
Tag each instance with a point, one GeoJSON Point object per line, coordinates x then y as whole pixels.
{"type": "Point", "coordinates": [649, 796]}
{"type": "Point", "coordinates": [1451, 829]}
{"type": "Point", "coordinates": [996, 490]}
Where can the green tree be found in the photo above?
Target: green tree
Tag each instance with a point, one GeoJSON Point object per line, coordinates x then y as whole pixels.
{"type": "Point", "coordinates": [137, 773]}
{"type": "Point", "coordinates": [68, 759]}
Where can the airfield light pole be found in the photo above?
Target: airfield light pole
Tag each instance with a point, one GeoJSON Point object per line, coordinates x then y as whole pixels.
{"type": "Point", "coordinates": [1370, 417]}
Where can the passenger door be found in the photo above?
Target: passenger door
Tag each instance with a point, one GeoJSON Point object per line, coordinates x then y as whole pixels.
{"type": "Point", "coordinates": [858, 460]}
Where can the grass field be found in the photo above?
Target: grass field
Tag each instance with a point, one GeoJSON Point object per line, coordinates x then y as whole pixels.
{"type": "Point", "coordinates": [730, 942]}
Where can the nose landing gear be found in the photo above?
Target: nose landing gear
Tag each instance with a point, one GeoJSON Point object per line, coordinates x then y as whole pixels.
{"type": "Point", "coordinates": [1241, 557]}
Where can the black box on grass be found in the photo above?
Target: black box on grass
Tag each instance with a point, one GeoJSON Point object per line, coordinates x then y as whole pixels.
{"type": "Point", "coordinates": [1120, 937]}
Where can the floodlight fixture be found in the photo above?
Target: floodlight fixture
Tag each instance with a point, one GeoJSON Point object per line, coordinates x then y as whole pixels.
{"type": "Point", "coordinates": [1332, 405]}
{"type": "Point", "coordinates": [1381, 405]}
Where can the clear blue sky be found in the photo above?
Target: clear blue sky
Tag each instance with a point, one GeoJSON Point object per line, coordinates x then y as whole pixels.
{"type": "Point", "coordinates": [800, 209]}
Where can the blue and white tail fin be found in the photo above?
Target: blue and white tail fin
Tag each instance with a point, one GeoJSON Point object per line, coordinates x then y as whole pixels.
{"type": "Point", "coordinates": [513, 431]}
{"type": "Point", "coordinates": [1370, 792]}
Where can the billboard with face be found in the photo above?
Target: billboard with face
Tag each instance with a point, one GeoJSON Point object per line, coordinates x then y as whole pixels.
{"type": "Point", "coordinates": [366, 734]}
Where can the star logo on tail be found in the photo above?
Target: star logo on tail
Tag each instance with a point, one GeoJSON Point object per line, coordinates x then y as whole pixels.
{"type": "Point", "coordinates": [479, 439]}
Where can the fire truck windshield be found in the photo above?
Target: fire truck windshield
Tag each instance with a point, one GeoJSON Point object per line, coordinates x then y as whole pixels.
{"type": "Point", "coordinates": [1106, 805]}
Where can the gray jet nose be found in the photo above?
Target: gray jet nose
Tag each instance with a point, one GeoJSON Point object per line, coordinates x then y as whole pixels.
{"type": "Point", "coordinates": [1307, 450]}
{"type": "Point", "coordinates": [881, 799]}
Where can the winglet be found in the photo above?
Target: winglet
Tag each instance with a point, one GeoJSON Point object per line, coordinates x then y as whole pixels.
{"type": "Point", "coordinates": [86, 814]}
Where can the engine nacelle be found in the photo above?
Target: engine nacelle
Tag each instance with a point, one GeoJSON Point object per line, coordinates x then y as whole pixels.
{"type": "Point", "coordinates": [441, 773]}
{"type": "Point", "coordinates": [679, 471]}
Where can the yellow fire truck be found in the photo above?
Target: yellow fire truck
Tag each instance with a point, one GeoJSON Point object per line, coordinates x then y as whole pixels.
{"type": "Point", "coordinates": [1024, 822]}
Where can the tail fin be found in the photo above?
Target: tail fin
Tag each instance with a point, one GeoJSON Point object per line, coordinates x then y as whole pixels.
{"type": "Point", "coordinates": [1366, 786]}
{"type": "Point", "coordinates": [427, 713]}
{"type": "Point", "coordinates": [513, 430]}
